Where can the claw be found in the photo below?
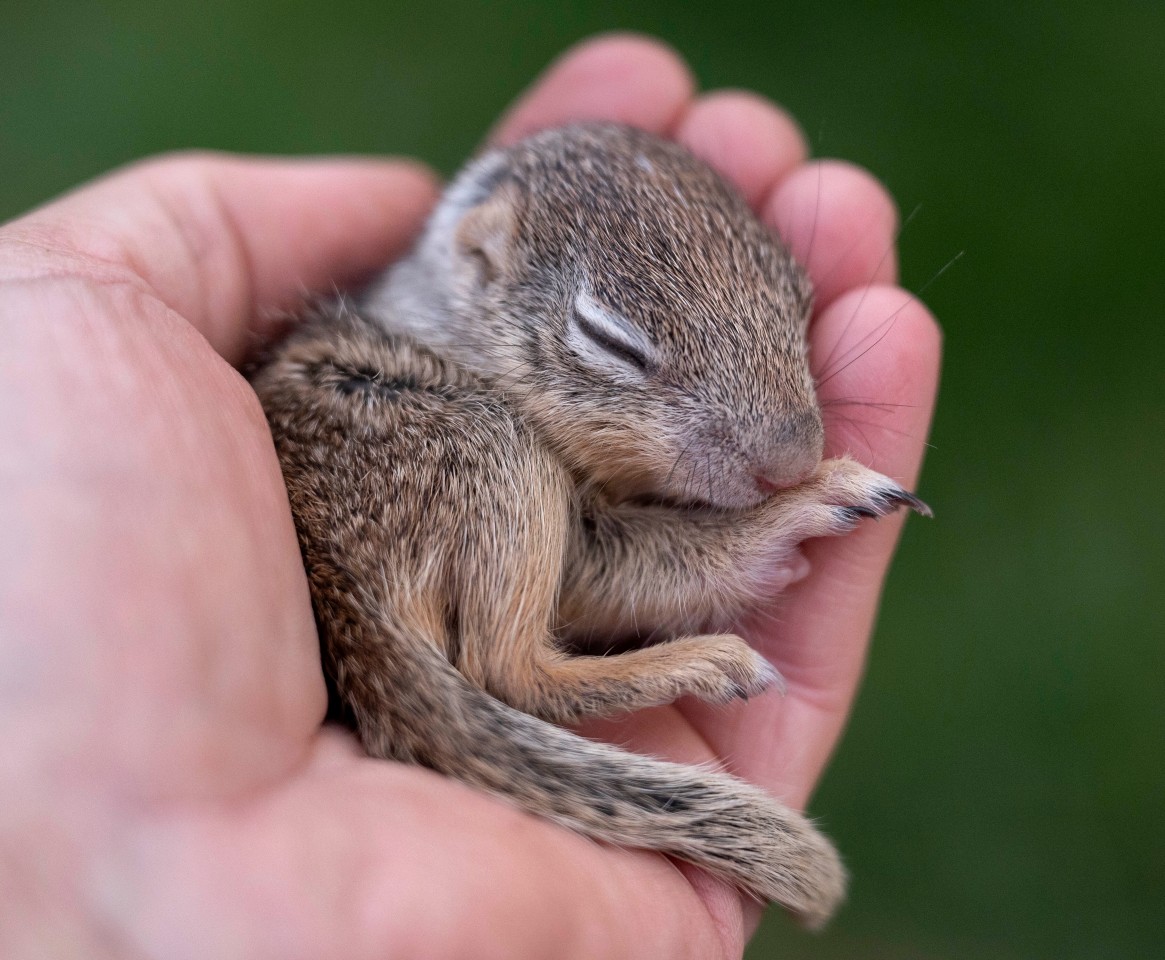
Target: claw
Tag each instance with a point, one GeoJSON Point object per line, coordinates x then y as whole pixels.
{"type": "Point", "coordinates": [852, 516]}
{"type": "Point", "coordinates": [903, 498]}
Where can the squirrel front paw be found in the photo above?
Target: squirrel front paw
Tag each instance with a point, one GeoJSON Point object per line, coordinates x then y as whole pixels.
{"type": "Point", "coordinates": [839, 495]}
{"type": "Point", "coordinates": [836, 499]}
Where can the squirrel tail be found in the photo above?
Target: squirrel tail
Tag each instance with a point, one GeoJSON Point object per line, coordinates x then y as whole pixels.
{"type": "Point", "coordinates": [431, 715]}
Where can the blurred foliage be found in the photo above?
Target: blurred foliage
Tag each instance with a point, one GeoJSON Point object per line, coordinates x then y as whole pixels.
{"type": "Point", "coordinates": [1002, 788]}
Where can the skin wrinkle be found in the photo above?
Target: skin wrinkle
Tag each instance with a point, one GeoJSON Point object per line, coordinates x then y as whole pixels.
{"type": "Point", "coordinates": [88, 270]}
{"type": "Point", "coordinates": [185, 177]}
{"type": "Point", "coordinates": [61, 263]}
{"type": "Point", "coordinates": [121, 265]}
{"type": "Point", "coordinates": [197, 243]}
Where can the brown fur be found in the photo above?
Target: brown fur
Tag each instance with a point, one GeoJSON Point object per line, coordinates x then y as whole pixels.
{"type": "Point", "coordinates": [480, 476]}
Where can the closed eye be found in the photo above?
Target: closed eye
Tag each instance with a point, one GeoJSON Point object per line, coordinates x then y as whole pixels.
{"type": "Point", "coordinates": [607, 340]}
{"type": "Point", "coordinates": [624, 349]}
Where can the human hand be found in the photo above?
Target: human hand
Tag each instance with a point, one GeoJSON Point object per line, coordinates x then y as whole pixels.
{"type": "Point", "coordinates": [166, 788]}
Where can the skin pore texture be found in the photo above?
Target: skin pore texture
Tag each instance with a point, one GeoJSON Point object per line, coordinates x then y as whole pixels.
{"type": "Point", "coordinates": [167, 789]}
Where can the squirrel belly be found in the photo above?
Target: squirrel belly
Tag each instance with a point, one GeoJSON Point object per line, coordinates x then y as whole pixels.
{"type": "Point", "coordinates": [435, 530]}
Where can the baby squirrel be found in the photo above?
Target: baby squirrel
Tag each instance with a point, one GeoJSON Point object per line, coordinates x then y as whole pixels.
{"type": "Point", "coordinates": [580, 410]}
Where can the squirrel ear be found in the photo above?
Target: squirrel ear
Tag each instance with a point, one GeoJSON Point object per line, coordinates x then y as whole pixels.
{"type": "Point", "coordinates": [487, 231]}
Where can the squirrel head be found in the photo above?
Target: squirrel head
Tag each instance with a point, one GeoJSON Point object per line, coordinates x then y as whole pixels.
{"type": "Point", "coordinates": [647, 324]}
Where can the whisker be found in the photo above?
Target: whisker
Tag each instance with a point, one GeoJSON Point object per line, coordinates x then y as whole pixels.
{"type": "Point", "coordinates": [885, 326]}
{"type": "Point", "coordinates": [941, 270]}
{"type": "Point", "coordinates": [869, 283]}
{"type": "Point", "coordinates": [816, 216]}
{"type": "Point", "coordinates": [905, 434]}
{"type": "Point", "coordinates": [859, 402]}
{"type": "Point", "coordinates": [679, 457]}
{"type": "Point", "coordinates": [889, 321]}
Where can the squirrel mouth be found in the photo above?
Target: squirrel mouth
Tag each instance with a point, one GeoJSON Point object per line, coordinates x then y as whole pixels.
{"type": "Point", "coordinates": [689, 504]}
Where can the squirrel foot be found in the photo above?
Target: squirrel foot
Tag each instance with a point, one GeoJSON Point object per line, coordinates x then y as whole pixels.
{"type": "Point", "coordinates": [837, 498]}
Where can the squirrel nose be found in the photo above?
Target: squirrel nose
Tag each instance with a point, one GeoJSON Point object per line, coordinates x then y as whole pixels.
{"type": "Point", "coordinates": [791, 457]}
{"type": "Point", "coordinates": [770, 486]}
{"type": "Point", "coordinates": [770, 483]}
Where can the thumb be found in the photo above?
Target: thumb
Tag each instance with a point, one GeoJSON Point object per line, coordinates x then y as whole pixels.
{"type": "Point", "coordinates": [221, 239]}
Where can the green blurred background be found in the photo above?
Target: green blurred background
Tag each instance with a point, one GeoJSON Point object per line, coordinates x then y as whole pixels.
{"type": "Point", "coordinates": [1001, 791]}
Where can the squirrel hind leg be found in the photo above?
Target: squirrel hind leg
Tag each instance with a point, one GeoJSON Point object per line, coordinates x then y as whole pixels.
{"type": "Point", "coordinates": [505, 644]}
{"type": "Point", "coordinates": [539, 679]}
